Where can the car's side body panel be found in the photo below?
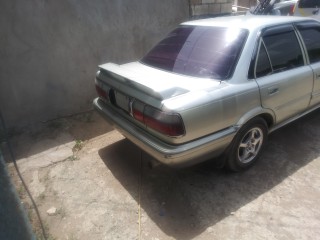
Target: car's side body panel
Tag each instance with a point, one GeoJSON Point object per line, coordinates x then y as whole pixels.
{"type": "Point", "coordinates": [309, 32]}
{"type": "Point", "coordinates": [287, 93]}
{"type": "Point", "coordinates": [215, 110]}
{"type": "Point", "coordinates": [316, 87]}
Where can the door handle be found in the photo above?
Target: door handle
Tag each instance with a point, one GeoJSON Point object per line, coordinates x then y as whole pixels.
{"type": "Point", "coordinates": [272, 91]}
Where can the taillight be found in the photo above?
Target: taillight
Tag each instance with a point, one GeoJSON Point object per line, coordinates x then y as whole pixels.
{"type": "Point", "coordinates": [291, 11]}
{"type": "Point", "coordinates": [137, 110]}
{"type": "Point", "coordinates": [102, 93]}
{"type": "Point", "coordinates": [167, 123]}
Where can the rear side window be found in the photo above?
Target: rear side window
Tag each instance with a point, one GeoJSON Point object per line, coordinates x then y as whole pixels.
{"type": "Point", "coordinates": [309, 3]}
{"type": "Point", "coordinates": [311, 38]}
{"type": "Point", "coordinates": [284, 50]}
{"type": "Point", "coordinates": [263, 67]}
{"type": "Point", "coordinates": [200, 51]}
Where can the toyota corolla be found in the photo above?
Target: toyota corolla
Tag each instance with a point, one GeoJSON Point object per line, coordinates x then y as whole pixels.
{"type": "Point", "coordinates": [215, 87]}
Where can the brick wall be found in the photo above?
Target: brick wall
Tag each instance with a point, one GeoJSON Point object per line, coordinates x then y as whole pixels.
{"type": "Point", "coordinates": [210, 7]}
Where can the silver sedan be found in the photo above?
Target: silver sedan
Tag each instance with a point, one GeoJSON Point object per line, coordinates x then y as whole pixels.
{"type": "Point", "coordinates": [215, 87]}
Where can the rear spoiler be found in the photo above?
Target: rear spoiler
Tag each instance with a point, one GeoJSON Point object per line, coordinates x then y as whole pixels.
{"type": "Point", "coordinates": [115, 75]}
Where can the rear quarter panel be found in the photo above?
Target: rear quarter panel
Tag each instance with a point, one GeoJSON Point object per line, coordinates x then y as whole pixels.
{"type": "Point", "coordinates": [205, 113]}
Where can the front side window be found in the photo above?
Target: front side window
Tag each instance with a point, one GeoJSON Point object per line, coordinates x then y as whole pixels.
{"type": "Point", "coordinates": [284, 50]}
{"type": "Point", "coordinates": [199, 51]}
{"type": "Point", "coordinates": [311, 38]}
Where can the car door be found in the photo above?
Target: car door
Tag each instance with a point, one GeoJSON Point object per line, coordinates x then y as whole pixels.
{"type": "Point", "coordinates": [310, 33]}
{"type": "Point", "coordinates": [284, 79]}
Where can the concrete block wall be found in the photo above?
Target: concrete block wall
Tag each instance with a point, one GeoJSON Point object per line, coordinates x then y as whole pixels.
{"type": "Point", "coordinates": [247, 3]}
{"type": "Point", "coordinates": [210, 7]}
{"type": "Point", "coordinates": [50, 50]}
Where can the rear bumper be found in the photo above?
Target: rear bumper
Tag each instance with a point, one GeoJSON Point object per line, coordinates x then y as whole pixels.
{"type": "Point", "coordinates": [174, 155]}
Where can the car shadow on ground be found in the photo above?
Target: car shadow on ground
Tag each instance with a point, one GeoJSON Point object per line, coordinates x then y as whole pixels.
{"type": "Point", "coordinates": [185, 202]}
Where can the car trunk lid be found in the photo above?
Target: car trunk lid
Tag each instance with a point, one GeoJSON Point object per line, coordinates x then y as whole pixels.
{"type": "Point", "coordinates": [140, 81]}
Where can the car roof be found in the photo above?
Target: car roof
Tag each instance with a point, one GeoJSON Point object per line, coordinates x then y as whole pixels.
{"type": "Point", "coordinates": [250, 22]}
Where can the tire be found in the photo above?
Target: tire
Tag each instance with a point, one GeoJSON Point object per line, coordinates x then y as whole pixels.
{"type": "Point", "coordinates": [247, 145]}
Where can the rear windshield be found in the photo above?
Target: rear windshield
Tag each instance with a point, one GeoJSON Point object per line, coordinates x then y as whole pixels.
{"type": "Point", "coordinates": [309, 3]}
{"type": "Point", "coordinates": [210, 52]}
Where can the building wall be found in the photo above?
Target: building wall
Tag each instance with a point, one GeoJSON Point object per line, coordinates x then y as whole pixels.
{"type": "Point", "coordinates": [50, 50]}
{"type": "Point", "coordinates": [210, 7]}
{"type": "Point", "coordinates": [247, 3]}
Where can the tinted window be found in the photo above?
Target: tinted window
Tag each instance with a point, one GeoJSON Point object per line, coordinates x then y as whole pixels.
{"type": "Point", "coordinates": [199, 51]}
{"type": "Point", "coordinates": [309, 3]}
{"type": "Point", "coordinates": [311, 38]}
{"type": "Point", "coordinates": [284, 50]}
{"type": "Point", "coordinates": [263, 64]}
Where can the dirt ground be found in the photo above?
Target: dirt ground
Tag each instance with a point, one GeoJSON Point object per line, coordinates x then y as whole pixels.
{"type": "Point", "coordinates": [103, 187]}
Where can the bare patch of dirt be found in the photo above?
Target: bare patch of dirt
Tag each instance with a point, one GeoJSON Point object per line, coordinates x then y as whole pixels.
{"type": "Point", "coordinates": [74, 131]}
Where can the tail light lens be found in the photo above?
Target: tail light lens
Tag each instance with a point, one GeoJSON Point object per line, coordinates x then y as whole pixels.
{"type": "Point", "coordinates": [102, 93]}
{"type": "Point", "coordinates": [167, 123]}
{"type": "Point", "coordinates": [292, 8]}
{"type": "Point", "coordinates": [137, 110]}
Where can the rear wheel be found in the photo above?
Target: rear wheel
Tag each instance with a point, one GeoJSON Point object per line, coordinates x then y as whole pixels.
{"type": "Point", "coordinates": [247, 145]}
